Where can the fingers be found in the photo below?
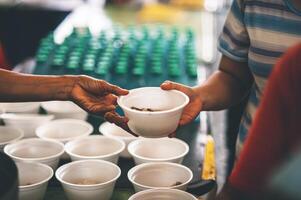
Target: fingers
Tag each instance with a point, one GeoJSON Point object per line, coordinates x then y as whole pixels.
{"type": "Point", "coordinates": [109, 88]}
{"type": "Point", "coordinates": [113, 117]}
{"type": "Point", "coordinates": [169, 85]}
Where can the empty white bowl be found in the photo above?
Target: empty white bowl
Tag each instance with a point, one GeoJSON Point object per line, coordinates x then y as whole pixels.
{"type": "Point", "coordinates": [160, 175]}
{"type": "Point", "coordinates": [26, 107]}
{"type": "Point", "coordinates": [167, 107]}
{"type": "Point", "coordinates": [64, 109]}
{"type": "Point", "coordinates": [36, 150]}
{"type": "Point", "coordinates": [64, 130]}
{"type": "Point", "coordinates": [26, 122]}
{"type": "Point", "coordinates": [9, 135]}
{"type": "Point", "coordinates": [158, 150]}
{"type": "Point", "coordinates": [162, 194]}
{"type": "Point", "coordinates": [88, 179]}
{"type": "Point", "coordinates": [114, 131]}
{"type": "Point", "coordinates": [33, 180]}
{"type": "Point", "coordinates": [95, 147]}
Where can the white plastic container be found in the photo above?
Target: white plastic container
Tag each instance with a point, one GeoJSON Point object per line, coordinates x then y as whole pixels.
{"type": "Point", "coordinates": [26, 122]}
{"type": "Point", "coordinates": [161, 175]}
{"type": "Point", "coordinates": [26, 107]}
{"type": "Point", "coordinates": [64, 130]}
{"type": "Point", "coordinates": [158, 150]}
{"type": "Point", "coordinates": [9, 135]}
{"type": "Point", "coordinates": [88, 179]}
{"type": "Point", "coordinates": [64, 109]}
{"type": "Point", "coordinates": [33, 180]}
{"type": "Point", "coordinates": [167, 107]}
{"type": "Point", "coordinates": [95, 147]}
{"type": "Point", "coordinates": [162, 194]}
{"type": "Point", "coordinates": [112, 130]}
{"type": "Point", "coordinates": [36, 150]}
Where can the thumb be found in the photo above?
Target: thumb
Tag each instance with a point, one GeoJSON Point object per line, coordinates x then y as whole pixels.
{"type": "Point", "coordinates": [169, 85]}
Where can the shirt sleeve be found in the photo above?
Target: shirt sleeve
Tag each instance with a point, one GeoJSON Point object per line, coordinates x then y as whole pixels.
{"type": "Point", "coordinates": [275, 130]}
{"type": "Point", "coordinates": [234, 40]}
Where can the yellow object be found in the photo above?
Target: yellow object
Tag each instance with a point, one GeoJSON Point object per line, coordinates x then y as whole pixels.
{"type": "Point", "coordinates": [209, 170]}
{"type": "Point", "coordinates": [159, 13]}
{"type": "Point", "coordinates": [190, 4]}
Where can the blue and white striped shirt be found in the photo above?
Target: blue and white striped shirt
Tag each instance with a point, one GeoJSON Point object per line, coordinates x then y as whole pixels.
{"type": "Point", "coordinates": [259, 32]}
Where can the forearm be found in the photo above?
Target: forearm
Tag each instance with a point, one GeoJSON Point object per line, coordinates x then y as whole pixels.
{"type": "Point", "coordinates": [221, 91]}
{"type": "Point", "coordinates": [16, 87]}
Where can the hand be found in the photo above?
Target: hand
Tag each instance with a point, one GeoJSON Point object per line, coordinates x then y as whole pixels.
{"type": "Point", "coordinates": [192, 110]}
{"type": "Point", "coordinates": [95, 96]}
{"type": "Point", "coordinates": [122, 122]}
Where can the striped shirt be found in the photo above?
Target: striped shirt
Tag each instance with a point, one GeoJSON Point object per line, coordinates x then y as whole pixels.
{"type": "Point", "coordinates": [259, 32]}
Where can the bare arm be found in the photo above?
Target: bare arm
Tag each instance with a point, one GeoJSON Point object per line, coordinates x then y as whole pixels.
{"type": "Point", "coordinates": [226, 87]}
{"type": "Point", "coordinates": [94, 96]}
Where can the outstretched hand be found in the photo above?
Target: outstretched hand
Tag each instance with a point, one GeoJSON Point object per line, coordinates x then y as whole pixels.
{"type": "Point", "coordinates": [194, 107]}
{"type": "Point", "coordinates": [95, 96]}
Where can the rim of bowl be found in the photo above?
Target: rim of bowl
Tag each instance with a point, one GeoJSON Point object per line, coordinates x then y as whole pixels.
{"type": "Point", "coordinates": [68, 151]}
{"type": "Point", "coordinates": [131, 151]}
{"type": "Point", "coordinates": [132, 170]}
{"type": "Point", "coordinates": [107, 124]}
{"type": "Point", "coordinates": [32, 116]}
{"type": "Point", "coordinates": [45, 106]}
{"type": "Point", "coordinates": [150, 191]}
{"type": "Point", "coordinates": [120, 102]}
{"type": "Point", "coordinates": [20, 131]}
{"type": "Point", "coordinates": [62, 168]}
{"type": "Point", "coordinates": [41, 182]}
{"type": "Point", "coordinates": [7, 152]}
{"type": "Point", "coordinates": [40, 134]}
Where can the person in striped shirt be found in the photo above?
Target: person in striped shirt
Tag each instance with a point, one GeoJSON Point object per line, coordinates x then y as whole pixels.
{"type": "Point", "coordinates": [255, 35]}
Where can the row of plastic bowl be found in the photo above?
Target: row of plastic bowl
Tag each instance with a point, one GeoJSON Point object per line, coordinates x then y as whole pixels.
{"type": "Point", "coordinates": [101, 149]}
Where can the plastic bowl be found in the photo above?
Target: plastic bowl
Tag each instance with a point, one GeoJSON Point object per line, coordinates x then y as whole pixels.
{"type": "Point", "coordinates": [26, 122]}
{"type": "Point", "coordinates": [95, 147]}
{"type": "Point", "coordinates": [88, 179]}
{"type": "Point", "coordinates": [9, 135]}
{"type": "Point", "coordinates": [64, 109]}
{"type": "Point", "coordinates": [111, 130]}
{"type": "Point", "coordinates": [166, 150]}
{"type": "Point", "coordinates": [160, 175]}
{"type": "Point", "coordinates": [64, 130]}
{"type": "Point", "coordinates": [162, 194]}
{"type": "Point", "coordinates": [167, 108]}
{"type": "Point", "coordinates": [36, 150]}
{"type": "Point", "coordinates": [26, 107]}
{"type": "Point", "coordinates": [33, 180]}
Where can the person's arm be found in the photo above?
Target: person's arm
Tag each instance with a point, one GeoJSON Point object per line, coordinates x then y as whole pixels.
{"type": "Point", "coordinates": [274, 133]}
{"type": "Point", "coordinates": [232, 81]}
{"type": "Point", "coordinates": [226, 87]}
{"type": "Point", "coordinates": [94, 96]}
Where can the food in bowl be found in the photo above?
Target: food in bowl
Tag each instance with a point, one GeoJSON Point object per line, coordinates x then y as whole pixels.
{"type": "Point", "coordinates": [167, 107]}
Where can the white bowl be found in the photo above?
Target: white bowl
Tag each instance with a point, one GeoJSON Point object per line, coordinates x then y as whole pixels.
{"type": "Point", "coordinates": [64, 130]}
{"type": "Point", "coordinates": [36, 150]}
{"type": "Point", "coordinates": [33, 180]}
{"type": "Point", "coordinates": [95, 147]}
{"type": "Point", "coordinates": [88, 179]}
{"type": "Point", "coordinates": [64, 109]}
{"type": "Point", "coordinates": [158, 150]}
{"type": "Point", "coordinates": [162, 194]}
{"type": "Point", "coordinates": [160, 175]}
{"type": "Point", "coordinates": [26, 107]}
{"type": "Point", "coordinates": [111, 130]}
{"type": "Point", "coordinates": [168, 106]}
{"type": "Point", "coordinates": [9, 135]}
{"type": "Point", "coordinates": [26, 122]}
